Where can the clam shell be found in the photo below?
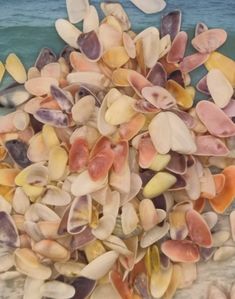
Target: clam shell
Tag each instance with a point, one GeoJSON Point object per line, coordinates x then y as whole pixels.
{"type": "Point", "coordinates": [153, 235]}
{"type": "Point", "coordinates": [171, 24]}
{"type": "Point", "coordinates": [52, 250]}
{"type": "Point", "coordinates": [84, 287]}
{"type": "Point", "coordinates": [224, 253]}
{"type": "Point", "coordinates": [109, 37]}
{"type": "Point", "coordinates": [15, 68]}
{"type": "Point", "coordinates": [100, 266]}
{"type": "Point", "coordinates": [115, 57]}
{"type": "Point", "coordinates": [90, 45]}
{"type": "Point", "coordinates": [55, 289]}
{"type": "Point", "coordinates": [148, 214]}
{"type": "Point", "coordinates": [116, 244]}
{"type": "Point", "coordinates": [77, 10]}
{"type": "Point", "coordinates": [40, 86]}
{"type": "Point", "coordinates": [91, 20]}
{"type": "Point", "coordinates": [20, 201]}
{"type": "Point", "coordinates": [178, 48]}
{"type": "Point", "coordinates": [45, 56]}
{"type": "Point", "coordinates": [129, 218]}
{"type": "Point", "coordinates": [220, 237]}
{"type": "Point", "coordinates": [98, 80]}
{"type": "Point", "coordinates": [32, 287]}
{"type": "Point", "coordinates": [39, 211]}
{"type": "Point", "coordinates": [150, 7]}
{"type": "Point", "coordinates": [68, 32]}
{"type": "Point", "coordinates": [18, 151]}
{"type": "Point", "coordinates": [211, 219]}
{"type": "Point", "coordinates": [58, 158]}
{"type": "Point", "coordinates": [69, 269]}
{"type": "Point", "coordinates": [159, 97]}
{"type": "Point", "coordinates": [56, 197]}
{"type": "Point", "coordinates": [37, 150]}
{"type": "Point", "coordinates": [105, 227]}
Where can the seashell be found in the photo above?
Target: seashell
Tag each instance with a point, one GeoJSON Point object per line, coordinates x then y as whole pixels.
{"type": "Point", "coordinates": [160, 183]}
{"type": "Point", "coordinates": [105, 227]}
{"type": "Point", "coordinates": [55, 197]}
{"type": "Point", "coordinates": [20, 201]}
{"type": "Point", "coordinates": [105, 290]}
{"type": "Point", "coordinates": [91, 20]}
{"type": "Point", "coordinates": [183, 98]}
{"type": "Point", "coordinates": [51, 70]}
{"type": "Point", "coordinates": [49, 229]}
{"type": "Point", "coordinates": [178, 77]}
{"type": "Point", "coordinates": [45, 57]}
{"type": "Point", "coordinates": [14, 95]}
{"type": "Point", "coordinates": [120, 77]}
{"type": "Point", "coordinates": [100, 266]}
{"type": "Point", "coordinates": [138, 82]}
{"type": "Point", "coordinates": [165, 45]}
{"type": "Point", "coordinates": [215, 127]}
{"type": "Point", "coordinates": [148, 214]}
{"type": "Point", "coordinates": [18, 152]}
{"type": "Point", "coordinates": [229, 109]}
{"type": "Point", "coordinates": [219, 87]}
{"type": "Point", "coordinates": [147, 152]}
{"type": "Point", "coordinates": [53, 117]}
{"type": "Point", "coordinates": [116, 10]}
{"type": "Point", "coordinates": [15, 68]}
{"type": "Point", "coordinates": [52, 250]}
{"type": "Point", "coordinates": [98, 80]}
{"type": "Point", "coordinates": [83, 109]}
{"type": "Point", "coordinates": [129, 218]}
{"type": "Point", "coordinates": [208, 145]}
{"type": "Point", "coordinates": [79, 62]}
{"type": "Point", "coordinates": [152, 236]}
{"type": "Point", "coordinates": [116, 244]}
{"type": "Point", "coordinates": [9, 275]}
{"type": "Point", "coordinates": [171, 24]}
{"type": "Point", "coordinates": [135, 186]}
{"type": "Point", "coordinates": [128, 130]}
{"type": "Point", "coordinates": [93, 250]}
{"type": "Point", "coordinates": [158, 97]}
{"type": "Point", "coordinates": [209, 40]}
{"type": "Point", "coordinates": [84, 287]}
{"type": "Point", "coordinates": [26, 262]}
{"type": "Point", "coordinates": [83, 238]}
{"type": "Point", "coordinates": [32, 231]}
{"type": "Point", "coordinates": [32, 287]}
{"type": "Point", "coordinates": [8, 233]}
{"type": "Point", "coordinates": [85, 132]}
{"type": "Point", "coordinates": [219, 238]}
{"type": "Point", "coordinates": [78, 155]}
{"type": "Point", "coordinates": [21, 120]}
{"type": "Point", "coordinates": [202, 86]}
{"type": "Point", "coordinates": [208, 189]}
{"type": "Point", "coordinates": [78, 188]}
{"type": "Point", "coordinates": [77, 10]}
{"type": "Point", "coordinates": [49, 136]}
{"type": "Point", "coordinates": [180, 251]}
{"type": "Point", "coordinates": [55, 289]}
{"type": "Point", "coordinates": [115, 57]}
{"type": "Point", "coordinates": [178, 226]}
{"type": "Point", "coordinates": [224, 253]}
{"type": "Point", "coordinates": [215, 292]}
{"type": "Point", "coordinates": [85, 40]}
{"type": "Point", "coordinates": [129, 45]}
{"type": "Point", "coordinates": [69, 269]}
{"type": "Point", "coordinates": [160, 281]}
{"type": "Point", "coordinates": [191, 62]}
{"type": "Point", "coordinates": [177, 163]}
{"type": "Point", "coordinates": [80, 213]}
{"type": "Point", "coordinates": [164, 142]}
{"type": "Point", "coordinates": [62, 98]}
{"type": "Point", "coordinates": [7, 176]}
{"type": "Point", "coordinates": [176, 279]}
{"type": "Point", "coordinates": [157, 75]}
{"type": "Point", "coordinates": [2, 70]}
{"type": "Point", "coordinates": [121, 181]}
{"type": "Point", "coordinates": [109, 37]}
{"type": "Point", "coordinates": [200, 28]}
{"type": "Point", "coordinates": [211, 219]}
{"type": "Point", "coordinates": [152, 259]}
{"type": "Point", "coordinates": [199, 231]}
{"type": "Point", "coordinates": [37, 150]}
{"type": "Point", "coordinates": [37, 212]}
{"type": "Point", "coordinates": [178, 48]}
{"type": "Point", "coordinates": [232, 224]}
{"type": "Point", "coordinates": [226, 65]}
{"type": "Point", "coordinates": [68, 32]}
{"type": "Point", "coordinates": [56, 170]}
{"type": "Point", "coordinates": [5, 206]}
{"type": "Point", "coordinates": [193, 188]}
{"type": "Point", "coordinates": [150, 7]}
{"type": "Point", "coordinates": [121, 287]}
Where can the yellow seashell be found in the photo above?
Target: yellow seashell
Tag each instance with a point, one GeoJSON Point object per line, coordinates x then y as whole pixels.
{"type": "Point", "coordinates": [191, 91]}
{"type": "Point", "coordinates": [58, 158]}
{"type": "Point", "coordinates": [176, 279]}
{"type": "Point", "coordinates": [160, 162]}
{"type": "Point", "coordinates": [93, 250]}
{"type": "Point", "coordinates": [15, 68]}
{"type": "Point", "coordinates": [183, 97]}
{"type": "Point", "coordinates": [9, 195]}
{"type": "Point", "coordinates": [160, 183]}
{"type": "Point", "coordinates": [115, 57]}
{"type": "Point", "coordinates": [2, 70]}
{"type": "Point", "coordinates": [160, 282]}
{"type": "Point", "coordinates": [33, 191]}
{"type": "Point", "coordinates": [225, 64]}
{"type": "Point", "coordinates": [120, 77]}
{"type": "Point", "coordinates": [112, 21]}
{"type": "Point", "coordinates": [152, 259]}
{"type": "Point", "coordinates": [33, 72]}
{"type": "Point", "coordinates": [7, 176]}
{"type": "Point", "coordinates": [49, 136]}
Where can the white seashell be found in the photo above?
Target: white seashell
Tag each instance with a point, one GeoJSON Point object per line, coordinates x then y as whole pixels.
{"type": "Point", "coordinates": [83, 184]}
{"type": "Point", "coordinates": [211, 218]}
{"type": "Point", "coordinates": [91, 20]}
{"type": "Point", "coordinates": [151, 48]}
{"type": "Point", "coordinates": [9, 275]}
{"type": "Point", "coordinates": [148, 214]}
{"type": "Point", "coordinates": [165, 45]}
{"type": "Point", "coordinates": [69, 269]}
{"type": "Point", "coordinates": [77, 9]}
{"type": "Point", "coordinates": [121, 181]}
{"type": "Point", "coordinates": [89, 133]}
{"type": "Point", "coordinates": [101, 195]}
{"type": "Point", "coordinates": [215, 293]}
{"type": "Point", "coordinates": [20, 201]}
{"type": "Point", "coordinates": [112, 204]}
{"type": "Point", "coordinates": [193, 187]}
{"type": "Point", "coordinates": [37, 150]}
{"type": "Point", "coordinates": [219, 238]}
{"type": "Point", "coordinates": [100, 266]}
{"type": "Point", "coordinates": [117, 245]}
{"type": "Point", "coordinates": [83, 109]}
{"type": "Point", "coordinates": [54, 196]}
{"type": "Point", "coordinates": [6, 262]}
{"type": "Point", "coordinates": [232, 224]}
{"type": "Point", "coordinates": [21, 120]}
{"type": "Point", "coordinates": [32, 288]}
{"type": "Point", "coordinates": [97, 79]}
{"type": "Point", "coordinates": [39, 211]}
{"type": "Point", "coordinates": [224, 253]}
{"type": "Point", "coordinates": [105, 291]}
{"type": "Point", "coordinates": [135, 186]}
{"type": "Point", "coordinates": [129, 218]}
{"type": "Point", "coordinates": [150, 6]}
{"type": "Point", "coordinates": [105, 227]}
{"type": "Point", "coordinates": [4, 205]}
{"type": "Point", "coordinates": [57, 289]}
{"type": "Point", "coordinates": [161, 214]}
{"type": "Point", "coordinates": [68, 32]}
{"type": "Point", "coordinates": [49, 229]}
{"type": "Point", "coordinates": [32, 229]}
{"type": "Point", "coordinates": [154, 235]}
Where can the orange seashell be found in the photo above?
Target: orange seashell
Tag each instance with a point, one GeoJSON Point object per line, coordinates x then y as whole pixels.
{"type": "Point", "coordinates": [120, 155]}
{"type": "Point", "coordinates": [147, 152]}
{"type": "Point", "coordinates": [120, 286]}
{"type": "Point", "coordinates": [199, 231]}
{"type": "Point", "coordinates": [81, 64]}
{"type": "Point", "coordinates": [224, 199]}
{"type": "Point", "coordinates": [199, 204]}
{"type": "Point", "coordinates": [219, 182]}
{"type": "Point", "coordinates": [78, 155]}
{"type": "Point", "coordinates": [138, 82]}
{"type": "Point", "coordinates": [130, 129]}
{"type": "Point", "coordinates": [102, 143]}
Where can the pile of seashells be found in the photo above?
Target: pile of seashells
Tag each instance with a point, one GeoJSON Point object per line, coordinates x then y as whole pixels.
{"type": "Point", "coordinates": [111, 179]}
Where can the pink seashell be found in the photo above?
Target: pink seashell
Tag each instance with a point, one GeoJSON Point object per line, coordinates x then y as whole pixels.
{"type": "Point", "coordinates": [208, 145]}
{"type": "Point", "coordinates": [192, 62]}
{"type": "Point", "coordinates": [177, 51]}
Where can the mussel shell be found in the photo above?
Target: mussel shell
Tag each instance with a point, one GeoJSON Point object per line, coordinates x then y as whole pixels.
{"type": "Point", "coordinates": [45, 56]}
